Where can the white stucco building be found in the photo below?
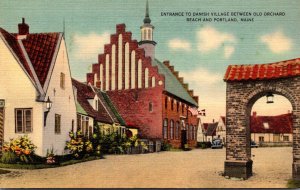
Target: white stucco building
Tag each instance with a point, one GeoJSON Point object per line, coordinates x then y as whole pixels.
{"type": "Point", "coordinates": [33, 68]}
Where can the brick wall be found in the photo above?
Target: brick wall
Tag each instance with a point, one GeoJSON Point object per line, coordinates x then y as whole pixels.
{"type": "Point", "coordinates": [172, 114]}
{"type": "Point", "coordinates": [241, 96]}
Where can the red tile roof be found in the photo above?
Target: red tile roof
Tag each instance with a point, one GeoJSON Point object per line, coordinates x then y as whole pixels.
{"type": "Point", "coordinates": [40, 49]}
{"type": "Point", "coordinates": [223, 119]}
{"type": "Point", "coordinates": [277, 124]}
{"type": "Point", "coordinates": [15, 47]}
{"type": "Point", "coordinates": [85, 92]}
{"type": "Point", "coordinates": [210, 128]}
{"type": "Point", "coordinates": [283, 69]}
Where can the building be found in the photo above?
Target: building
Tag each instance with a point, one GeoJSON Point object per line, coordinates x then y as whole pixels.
{"type": "Point", "coordinates": [210, 131]}
{"type": "Point", "coordinates": [148, 93]}
{"type": "Point", "coordinates": [272, 130]}
{"type": "Point", "coordinates": [221, 129]}
{"type": "Point", "coordinates": [95, 107]}
{"type": "Point", "coordinates": [35, 70]}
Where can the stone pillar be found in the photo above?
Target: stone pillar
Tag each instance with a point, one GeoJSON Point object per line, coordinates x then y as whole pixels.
{"type": "Point", "coordinates": [238, 161]}
{"type": "Point", "coordinates": [296, 145]}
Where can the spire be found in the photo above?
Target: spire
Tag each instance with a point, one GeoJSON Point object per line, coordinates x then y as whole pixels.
{"type": "Point", "coordinates": [147, 19]}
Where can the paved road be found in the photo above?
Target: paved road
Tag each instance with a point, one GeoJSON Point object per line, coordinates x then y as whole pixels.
{"type": "Point", "coordinates": [197, 168]}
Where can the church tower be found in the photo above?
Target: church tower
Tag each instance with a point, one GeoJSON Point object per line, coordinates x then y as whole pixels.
{"type": "Point", "coordinates": [147, 42]}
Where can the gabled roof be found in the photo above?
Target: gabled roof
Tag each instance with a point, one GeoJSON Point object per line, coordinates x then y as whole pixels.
{"type": "Point", "coordinates": [172, 85]}
{"type": "Point", "coordinates": [104, 114]}
{"type": "Point", "coordinates": [15, 47]}
{"type": "Point", "coordinates": [40, 49]}
{"type": "Point", "coordinates": [223, 119]}
{"type": "Point", "coordinates": [211, 128]}
{"type": "Point", "coordinates": [35, 53]}
{"type": "Point", "coordinates": [277, 124]}
{"type": "Point", "coordinates": [283, 69]}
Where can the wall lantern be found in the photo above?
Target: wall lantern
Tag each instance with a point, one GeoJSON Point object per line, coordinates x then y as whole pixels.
{"type": "Point", "coordinates": [270, 98]}
{"type": "Point", "coordinates": [48, 106]}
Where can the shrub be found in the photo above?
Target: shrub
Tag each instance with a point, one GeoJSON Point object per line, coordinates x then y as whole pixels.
{"type": "Point", "coordinates": [165, 146]}
{"type": "Point", "coordinates": [22, 147]}
{"type": "Point", "coordinates": [79, 145]}
{"type": "Point", "coordinates": [9, 157]}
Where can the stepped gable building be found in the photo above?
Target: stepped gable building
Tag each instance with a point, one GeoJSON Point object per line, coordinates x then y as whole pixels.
{"type": "Point", "coordinates": [149, 94]}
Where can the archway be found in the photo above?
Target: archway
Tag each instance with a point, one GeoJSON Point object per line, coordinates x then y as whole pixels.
{"type": "Point", "coordinates": [245, 85]}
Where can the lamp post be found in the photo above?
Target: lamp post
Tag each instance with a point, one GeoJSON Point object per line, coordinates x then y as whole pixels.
{"type": "Point", "coordinates": [270, 98]}
{"type": "Point", "coordinates": [48, 106]}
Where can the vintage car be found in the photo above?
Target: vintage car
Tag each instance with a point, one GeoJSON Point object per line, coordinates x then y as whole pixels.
{"type": "Point", "coordinates": [253, 144]}
{"type": "Point", "coordinates": [217, 144]}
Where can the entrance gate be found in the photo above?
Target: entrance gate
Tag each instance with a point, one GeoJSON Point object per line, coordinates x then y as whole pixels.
{"type": "Point", "coordinates": [245, 85]}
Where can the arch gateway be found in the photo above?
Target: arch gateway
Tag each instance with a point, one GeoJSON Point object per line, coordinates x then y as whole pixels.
{"type": "Point", "coordinates": [244, 85]}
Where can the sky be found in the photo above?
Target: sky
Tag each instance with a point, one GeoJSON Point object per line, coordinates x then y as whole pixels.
{"type": "Point", "coordinates": [199, 50]}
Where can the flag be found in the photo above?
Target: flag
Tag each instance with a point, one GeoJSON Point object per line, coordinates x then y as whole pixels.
{"type": "Point", "coordinates": [193, 110]}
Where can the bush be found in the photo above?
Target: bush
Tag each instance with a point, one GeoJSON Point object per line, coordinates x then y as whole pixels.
{"type": "Point", "coordinates": [9, 157]}
{"type": "Point", "coordinates": [166, 146]}
{"type": "Point", "coordinates": [203, 145]}
{"type": "Point", "coordinates": [79, 145]}
{"type": "Point", "coordinates": [22, 148]}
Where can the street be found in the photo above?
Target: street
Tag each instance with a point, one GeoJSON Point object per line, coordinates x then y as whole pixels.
{"type": "Point", "coordinates": [193, 169]}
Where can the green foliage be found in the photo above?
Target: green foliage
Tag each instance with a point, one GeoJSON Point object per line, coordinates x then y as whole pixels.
{"type": "Point", "coordinates": [79, 145]}
{"type": "Point", "coordinates": [9, 157]}
{"type": "Point", "coordinates": [114, 143]}
{"type": "Point", "coordinates": [203, 145]}
{"type": "Point", "coordinates": [293, 184]}
{"type": "Point", "coordinates": [20, 149]}
{"type": "Point", "coordinates": [165, 146]}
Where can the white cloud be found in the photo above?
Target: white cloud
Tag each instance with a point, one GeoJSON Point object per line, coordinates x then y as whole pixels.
{"type": "Point", "coordinates": [277, 42]}
{"type": "Point", "coordinates": [179, 44]}
{"type": "Point", "coordinates": [88, 46]}
{"type": "Point", "coordinates": [201, 77]}
{"type": "Point", "coordinates": [228, 51]}
{"type": "Point", "coordinates": [210, 39]}
{"type": "Point", "coordinates": [210, 88]}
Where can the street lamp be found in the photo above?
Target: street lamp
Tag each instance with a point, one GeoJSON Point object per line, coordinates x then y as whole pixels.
{"type": "Point", "coordinates": [48, 106]}
{"type": "Point", "coordinates": [270, 98]}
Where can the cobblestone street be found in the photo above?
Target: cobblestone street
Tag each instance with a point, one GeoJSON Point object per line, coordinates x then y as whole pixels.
{"type": "Point", "coordinates": [197, 168]}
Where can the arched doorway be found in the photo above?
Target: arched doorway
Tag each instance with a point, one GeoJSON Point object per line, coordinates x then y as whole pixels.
{"type": "Point", "coordinates": [245, 85]}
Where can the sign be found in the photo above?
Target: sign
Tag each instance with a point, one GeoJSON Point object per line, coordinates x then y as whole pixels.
{"type": "Point", "coordinates": [2, 103]}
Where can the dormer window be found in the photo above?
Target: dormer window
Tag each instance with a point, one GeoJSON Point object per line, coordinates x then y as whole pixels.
{"type": "Point", "coordinates": [266, 125]}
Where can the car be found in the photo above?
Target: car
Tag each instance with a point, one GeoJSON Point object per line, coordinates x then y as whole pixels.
{"type": "Point", "coordinates": [216, 144]}
{"type": "Point", "coordinates": [253, 144]}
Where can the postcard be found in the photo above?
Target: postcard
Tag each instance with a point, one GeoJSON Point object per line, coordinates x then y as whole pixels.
{"type": "Point", "coordinates": [149, 94]}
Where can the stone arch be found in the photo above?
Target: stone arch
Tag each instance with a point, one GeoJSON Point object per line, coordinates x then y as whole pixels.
{"type": "Point", "coordinates": [245, 85]}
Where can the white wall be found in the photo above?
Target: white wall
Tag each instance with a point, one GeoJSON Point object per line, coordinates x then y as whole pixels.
{"type": "Point", "coordinates": [18, 92]}
{"type": "Point", "coordinates": [63, 104]}
{"type": "Point", "coordinates": [268, 137]}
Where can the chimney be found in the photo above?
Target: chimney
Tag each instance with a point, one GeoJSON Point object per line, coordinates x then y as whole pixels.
{"type": "Point", "coordinates": [254, 114]}
{"type": "Point", "coordinates": [23, 28]}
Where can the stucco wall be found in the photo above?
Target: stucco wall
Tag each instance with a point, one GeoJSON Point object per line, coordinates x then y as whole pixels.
{"type": "Point", "coordinates": [63, 104]}
{"type": "Point", "coordinates": [18, 92]}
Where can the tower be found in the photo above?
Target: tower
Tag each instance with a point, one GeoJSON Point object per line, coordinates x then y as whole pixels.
{"type": "Point", "coordinates": [147, 42]}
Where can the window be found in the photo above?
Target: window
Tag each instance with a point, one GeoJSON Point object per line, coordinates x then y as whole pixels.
{"type": "Point", "coordinates": [172, 104]}
{"type": "Point", "coordinates": [90, 132]}
{"type": "Point", "coordinates": [182, 107]}
{"type": "Point", "coordinates": [150, 107]}
{"type": "Point", "coordinates": [72, 125]}
{"type": "Point", "coordinates": [172, 129]}
{"type": "Point", "coordinates": [96, 105]}
{"type": "Point", "coordinates": [261, 139]}
{"type": "Point", "coordinates": [83, 124]}
{"type": "Point", "coordinates": [166, 102]}
{"type": "Point", "coordinates": [187, 131]}
{"type": "Point", "coordinates": [62, 80]}
{"type": "Point", "coordinates": [23, 118]}
{"type": "Point", "coordinates": [177, 130]}
{"type": "Point", "coordinates": [177, 105]}
{"type": "Point", "coordinates": [286, 138]}
{"type": "Point", "coordinates": [57, 123]}
{"type": "Point", "coordinates": [191, 133]}
{"type": "Point", "coordinates": [165, 129]}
